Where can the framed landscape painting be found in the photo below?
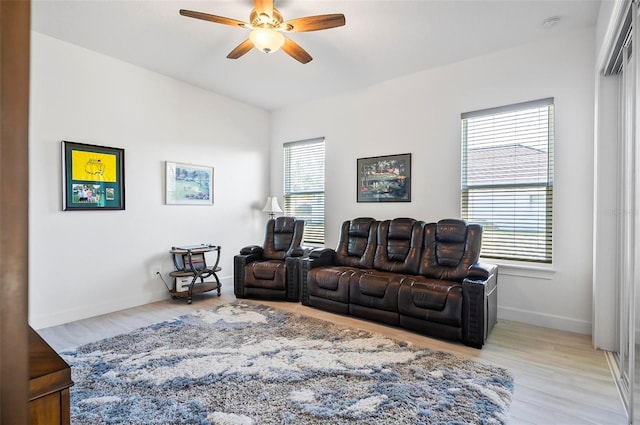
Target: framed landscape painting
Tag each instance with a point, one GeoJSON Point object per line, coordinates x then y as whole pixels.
{"type": "Point", "coordinates": [384, 178]}
{"type": "Point", "coordinates": [188, 184]}
{"type": "Point", "coordinates": [92, 177]}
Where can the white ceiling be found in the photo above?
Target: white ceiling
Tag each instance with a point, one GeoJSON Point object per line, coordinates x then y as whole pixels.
{"type": "Point", "coordinates": [381, 40]}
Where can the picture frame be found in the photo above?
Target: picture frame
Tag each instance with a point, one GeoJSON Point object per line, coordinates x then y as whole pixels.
{"type": "Point", "coordinates": [92, 177]}
{"type": "Point", "coordinates": [384, 178]}
{"type": "Point", "coordinates": [188, 184]}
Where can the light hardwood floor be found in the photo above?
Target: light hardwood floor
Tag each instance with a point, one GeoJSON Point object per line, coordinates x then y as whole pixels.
{"type": "Point", "coordinates": [559, 378]}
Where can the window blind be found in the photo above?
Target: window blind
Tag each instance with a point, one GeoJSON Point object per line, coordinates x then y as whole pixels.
{"type": "Point", "coordinates": [507, 179]}
{"type": "Point", "coordinates": [304, 186]}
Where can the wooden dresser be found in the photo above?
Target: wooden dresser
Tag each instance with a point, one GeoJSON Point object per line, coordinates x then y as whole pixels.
{"type": "Point", "coordinates": [49, 383]}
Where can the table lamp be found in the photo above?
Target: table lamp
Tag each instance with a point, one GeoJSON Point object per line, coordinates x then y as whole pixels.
{"type": "Point", "coordinates": [272, 207]}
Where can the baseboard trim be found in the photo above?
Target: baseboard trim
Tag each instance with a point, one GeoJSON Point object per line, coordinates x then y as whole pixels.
{"type": "Point", "coordinates": [91, 310]}
{"type": "Point", "coordinates": [545, 320]}
{"type": "Point", "coordinates": [87, 310]}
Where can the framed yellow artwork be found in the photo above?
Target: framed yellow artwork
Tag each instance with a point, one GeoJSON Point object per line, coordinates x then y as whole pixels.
{"type": "Point", "coordinates": [92, 177]}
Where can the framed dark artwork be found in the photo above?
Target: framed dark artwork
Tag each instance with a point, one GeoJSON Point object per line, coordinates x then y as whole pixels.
{"type": "Point", "coordinates": [92, 177]}
{"type": "Point", "coordinates": [384, 178]}
{"type": "Point", "coordinates": [188, 184]}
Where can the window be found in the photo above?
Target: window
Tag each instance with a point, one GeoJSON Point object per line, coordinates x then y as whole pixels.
{"type": "Point", "coordinates": [507, 179]}
{"type": "Point", "coordinates": [304, 186]}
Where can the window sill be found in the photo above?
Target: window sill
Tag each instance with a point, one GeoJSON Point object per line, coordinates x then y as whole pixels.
{"type": "Point", "coordinates": [521, 269]}
{"type": "Point", "coordinates": [310, 246]}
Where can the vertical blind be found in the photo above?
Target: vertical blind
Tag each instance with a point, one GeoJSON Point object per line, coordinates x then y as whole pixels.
{"type": "Point", "coordinates": [507, 179]}
{"type": "Point", "coordinates": [304, 186]}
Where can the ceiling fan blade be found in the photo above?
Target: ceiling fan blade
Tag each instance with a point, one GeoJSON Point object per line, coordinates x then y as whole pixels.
{"type": "Point", "coordinates": [212, 18]}
{"type": "Point", "coordinates": [242, 48]}
{"type": "Point", "coordinates": [263, 6]}
{"type": "Point", "coordinates": [315, 23]}
{"type": "Point", "coordinates": [294, 50]}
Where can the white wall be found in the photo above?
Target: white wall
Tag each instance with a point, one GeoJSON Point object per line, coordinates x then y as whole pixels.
{"type": "Point", "coordinates": [420, 114]}
{"type": "Point", "coordinates": [85, 263]}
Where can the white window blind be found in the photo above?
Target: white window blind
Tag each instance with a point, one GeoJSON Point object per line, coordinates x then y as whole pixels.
{"type": "Point", "coordinates": [304, 186]}
{"type": "Point", "coordinates": [507, 179]}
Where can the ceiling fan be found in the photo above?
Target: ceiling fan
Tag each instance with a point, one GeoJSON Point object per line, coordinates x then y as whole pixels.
{"type": "Point", "coordinates": [267, 27]}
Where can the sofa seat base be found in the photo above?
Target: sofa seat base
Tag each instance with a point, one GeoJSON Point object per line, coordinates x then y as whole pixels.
{"type": "Point", "coordinates": [425, 327]}
{"type": "Point", "coordinates": [328, 305]}
{"type": "Point", "coordinates": [263, 294]}
{"type": "Point", "coordinates": [431, 301]}
{"type": "Point", "coordinates": [375, 314]}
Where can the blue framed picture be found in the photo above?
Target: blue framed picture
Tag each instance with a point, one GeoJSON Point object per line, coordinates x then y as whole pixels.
{"type": "Point", "coordinates": [188, 184]}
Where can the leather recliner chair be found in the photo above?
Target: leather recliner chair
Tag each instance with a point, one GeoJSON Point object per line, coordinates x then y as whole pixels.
{"type": "Point", "coordinates": [271, 271]}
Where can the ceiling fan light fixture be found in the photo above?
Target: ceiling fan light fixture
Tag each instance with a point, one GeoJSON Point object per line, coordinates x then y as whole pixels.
{"type": "Point", "coordinates": [266, 40]}
{"type": "Point", "coordinates": [267, 27]}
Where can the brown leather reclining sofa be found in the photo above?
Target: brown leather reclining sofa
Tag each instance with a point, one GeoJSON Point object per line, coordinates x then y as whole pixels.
{"type": "Point", "coordinates": [408, 273]}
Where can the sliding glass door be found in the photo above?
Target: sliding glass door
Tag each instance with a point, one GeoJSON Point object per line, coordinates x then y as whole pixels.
{"type": "Point", "coordinates": [627, 214]}
{"type": "Point", "coordinates": [622, 67]}
{"type": "Point", "coordinates": [624, 353]}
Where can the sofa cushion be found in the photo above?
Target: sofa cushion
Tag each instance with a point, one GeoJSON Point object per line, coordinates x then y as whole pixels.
{"type": "Point", "coordinates": [329, 277]}
{"type": "Point", "coordinates": [375, 289]}
{"type": "Point", "coordinates": [399, 245]}
{"type": "Point", "coordinates": [269, 274]}
{"type": "Point", "coordinates": [373, 285]}
{"type": "Point", "coordinates": [357, 244]}
{"type": "Point", "coordinates": [331, 282]}
{"type": "Point", "coordinates": [450, 247]}
{"type": "Point", "coordinates": [431, 294]}
{"type": "Point", "coordinates": [283, 234]}
{"type": "Point", "coordinates": [431, 300]}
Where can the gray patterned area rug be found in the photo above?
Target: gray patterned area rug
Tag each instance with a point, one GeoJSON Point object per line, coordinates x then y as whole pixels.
{"type": "Point", "coordinates": [242, 364]}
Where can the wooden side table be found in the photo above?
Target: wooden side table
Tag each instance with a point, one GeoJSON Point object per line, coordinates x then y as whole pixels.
{"type": "Point", "coordinates": [49, 383]}
{"type": "Point", "coordinates": [190, 261]}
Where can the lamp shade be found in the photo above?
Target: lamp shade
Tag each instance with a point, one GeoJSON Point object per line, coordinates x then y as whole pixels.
{"type": "Point", "coordinates": [266, 40]}
{"type": "Point", "coordinates": [272, 206]}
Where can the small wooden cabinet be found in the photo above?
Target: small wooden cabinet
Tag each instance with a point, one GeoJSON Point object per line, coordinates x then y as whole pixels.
{"type": "Point", "coordinates": [49, 383]}
{"type": "Point", "coordinates": [191, 263]}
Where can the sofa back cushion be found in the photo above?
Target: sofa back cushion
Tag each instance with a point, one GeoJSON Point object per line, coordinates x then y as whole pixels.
{"type": "Point", "coordinates": [357, 245]}
{"type": "Point", "coordinates": [283, 235]}
{"type": "Point", "coordinates": [450, 247]}
{"type": "Point", "coordinates": [399, 245]}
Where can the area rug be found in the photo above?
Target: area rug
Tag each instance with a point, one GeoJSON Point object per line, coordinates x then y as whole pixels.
{"type": "Point", "coordinates": [246, 364]}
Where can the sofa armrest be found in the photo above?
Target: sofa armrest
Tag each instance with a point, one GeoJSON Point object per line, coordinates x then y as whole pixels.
{"type": "Point", "coordinates": [317, 258]}
{"type": "Point", "coordinates": [293, 278]}
{"type": "Point", "coordinates": [322, 256]}
{"type": "Point", "coordinates": [479, 303]}
{"type": "Point", "coordinates": [239, 262]}
{"type": "Point", "coordinates": [481, 272]}
{"type": "Point", "coordinates": [296, 252]}
{"type": "Point", "coordinates": [252, 249]}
